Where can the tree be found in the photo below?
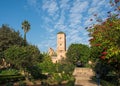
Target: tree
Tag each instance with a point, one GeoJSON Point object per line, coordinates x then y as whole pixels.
{"type": "Point", "coordinates": [78, 52]}
{"type": "Point", "coordinates": [105, 47]}
{"type": "Point", "coordinates": [23, 58]}
{"type": "Point", "coordinates": [64, 66]}
{"type": "Point", "coordinates": [105, 44]}
{"type": "Point", "coordinates": [26, 28]}
{"type": "Point", "coordinates": [8, 38]}
{"type": "Point", "coordinates": [47, 65]}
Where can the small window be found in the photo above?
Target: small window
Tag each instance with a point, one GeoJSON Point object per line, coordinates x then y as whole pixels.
{"type": "Point", "coordinates": [61, 51]}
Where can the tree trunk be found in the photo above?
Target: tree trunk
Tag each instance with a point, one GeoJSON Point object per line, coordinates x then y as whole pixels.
{"type": "Point", "coordinates": [24, 39]}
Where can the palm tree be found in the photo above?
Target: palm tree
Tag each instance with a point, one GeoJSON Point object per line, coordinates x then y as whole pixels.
{"type": "Point", "coordinates": [26, 28]}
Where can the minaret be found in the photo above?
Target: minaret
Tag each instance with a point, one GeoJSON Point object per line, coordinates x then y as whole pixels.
{"type": "Point", "coordinates": [61, 45]}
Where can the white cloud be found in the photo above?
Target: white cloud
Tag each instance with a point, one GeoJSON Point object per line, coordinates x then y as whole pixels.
{"type": "Point", "coordinates": [76, 12]}
{"type": "Point", "coordinates": [70, 16]}
{"type": "Point", "coordinates": [60, 21]}
{"type": "Point", "coordinates": [49, 29]}
{"type": "Point", "coordinates": [50, 6]}
{"type": "Point", "coordinates": [98, 3]}
{"type": "Point", "coordinates": [93, 10]}
{"type": "Point", "coordinates": [47, 19]}
{"type": "Point", "coordinates": [32, 2]}
{"type": "Point", "coordinates": [79, 7]}
{"type": "Point", "coordinates": [64, 4]}
{"type": "Point", "coordinates": [48, 42]}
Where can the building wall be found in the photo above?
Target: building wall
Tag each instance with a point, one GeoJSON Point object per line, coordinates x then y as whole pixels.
{"type": "Point", "coordinates": [51, 52]}
{"type": "Point", "coordinates": [61, 48]}
{"type": "Point", "coordinates": [61, 45]}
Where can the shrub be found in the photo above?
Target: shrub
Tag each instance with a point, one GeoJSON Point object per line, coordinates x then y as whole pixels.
{"type": "Point", "coordinates": [9, 72]}
{"type": "Point", "coordinates": [21, 83]}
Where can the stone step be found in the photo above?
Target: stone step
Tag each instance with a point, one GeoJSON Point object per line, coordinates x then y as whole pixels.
{"type": "Point", "coordinates": [85, 83]}
{"type": "Point", "coordinates": [84, 74]}
{"type": "Point", "coordinates": [83, 69]}
{"type": "Point", "coordinates": [79, 71]}
{"type": "Point", "coordinates": [83, 78]}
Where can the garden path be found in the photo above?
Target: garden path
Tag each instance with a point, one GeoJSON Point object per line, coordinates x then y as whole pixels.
{"type": "Point", "coordinates": [83, 77]}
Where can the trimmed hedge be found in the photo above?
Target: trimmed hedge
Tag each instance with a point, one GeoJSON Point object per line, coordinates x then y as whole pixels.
{"type": "Point", "coordinates": [11, 78]}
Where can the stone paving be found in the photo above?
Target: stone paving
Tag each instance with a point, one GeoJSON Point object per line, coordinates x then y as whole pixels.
{"type": "Point", "coordinates": [83, 77]}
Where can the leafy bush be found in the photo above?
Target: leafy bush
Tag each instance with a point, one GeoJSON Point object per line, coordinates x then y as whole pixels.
{"type": "Point", "coordinates": [9, 72]}
{"type": "Point", "coordinates": [9, 78]}
{"type": "Point", "coordinates": [47, 66]}
{"type": "Point", "coordinates": [8, 75]}
{"type": "Point", "coordinates": [71, 82]}
{"type": "Point", "coordinates": [106, 83]}
{"type": "Point", "coordinates": [9, 84]}
{"type": "Point", "coordinates": [21, 83]}
{"type": "Point", "coordinates": [57, 72]}
{"type": "Point", "coordinates": [35, 71]}
{"type": "Point", "coordinates": [78, 52]}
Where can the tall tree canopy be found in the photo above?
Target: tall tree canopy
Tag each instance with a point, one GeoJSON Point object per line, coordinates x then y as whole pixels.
{"type": "Point", "coordinates": [26, 28]}
{"type": "Point", "coordinates": [105, 46]}
{"type": "Point", "coordinates": [78, 52]}
{"type": "Point", "coordinates": [22, 57]}
{"type": "Point", "coordinates": [106, 38]}
{"type": "Point", "coordinates": [9, 37]}
{"type": "Point", "coordinates": [105, 43]}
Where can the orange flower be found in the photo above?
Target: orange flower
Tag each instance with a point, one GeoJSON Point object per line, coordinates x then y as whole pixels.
{"type": "Point", "coordinates": [97, 44]}
{"type": "Point", "coordinates": [116, 1]}
{"type": "Point", "coordinates": [91, 39]}
{"type": "Point", "coordinates": [105, 49]}
{"type": "Point", "coordinates": [111, 24]}
{"type": "Point", "coordinates": [102, 57]}
{"type": "Point", "coordinates": [104, 53]}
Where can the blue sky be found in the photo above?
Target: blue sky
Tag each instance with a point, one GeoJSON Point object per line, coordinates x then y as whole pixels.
{"type": "Point", "coordinates": [48, 17]}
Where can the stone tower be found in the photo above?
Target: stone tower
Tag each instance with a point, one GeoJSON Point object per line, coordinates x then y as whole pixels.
{"type": "Point", "coordinates": [61, 45]}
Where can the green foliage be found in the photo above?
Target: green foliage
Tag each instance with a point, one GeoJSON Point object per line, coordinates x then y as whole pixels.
{"type": "Point", "coordinates": [105, 38]}
{"type": "Point", "coordinates": [22, 57]}
{"type": "Point", "coordinates": [9, 72]}
{"type": "Point", "coordinates": [65, 67]}
{"type": "Point", "coordinates": [71, 82]}
{"type": "Point", "coordinates": [21, 83]}
{"type": "Point", "coordinates": [105, 46]}
{"type": "Point", "coordinates": [59, 78]}
{"type": "Point", "coordinates": [9, 78]}
{"type": "Point", "coordinates": [9, 37]}
{"type": "Point", "coordinates": [35, 72]}
{"type": "Point", "coordinates": [26, 28]}
{"type": "Point", "coordinates": [78, 52]}
{"type": "Point", "coordinates": [105, 83]}
{"type": "Point", "coordinates": [47, 65]}
{"type": "Point", "coordinates": [57, 72]}
{"type": "Point", "coordinates": [9, 84]}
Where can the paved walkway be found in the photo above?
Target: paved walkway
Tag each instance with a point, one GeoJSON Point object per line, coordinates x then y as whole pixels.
{"type": "Point", "coordinates": [83, 77]}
